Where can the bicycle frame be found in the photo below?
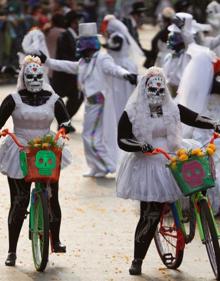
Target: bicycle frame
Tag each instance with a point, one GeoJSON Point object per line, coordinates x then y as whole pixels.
{"type": "Point", "coordinates": [195, 199]}
{"type": "Point", "coordinates": [178, 216]}
{"type": "Point", "coordinates": [39, 187]}
{"type": "Point", "coordinates": [39, 216]}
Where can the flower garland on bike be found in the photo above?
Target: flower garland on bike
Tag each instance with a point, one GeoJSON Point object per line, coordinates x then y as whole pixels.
{"type": "Point", "coordinates": [151, 118]}
{"type": "Point", "coordinates": [32, 107]}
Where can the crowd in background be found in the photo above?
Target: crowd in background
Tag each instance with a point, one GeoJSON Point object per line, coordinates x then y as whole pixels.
{"type": "Point", "coordinates": [19, 16]}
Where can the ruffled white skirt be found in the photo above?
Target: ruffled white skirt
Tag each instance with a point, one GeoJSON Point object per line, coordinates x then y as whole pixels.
{"type": "Point", "coordinates": [147, 178]}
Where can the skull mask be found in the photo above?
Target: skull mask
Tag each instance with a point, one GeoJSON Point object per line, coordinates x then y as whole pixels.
{"type": "Point", "coordinates": [33, 77]}
{"type": "Point", "coordinates": [156, 90]}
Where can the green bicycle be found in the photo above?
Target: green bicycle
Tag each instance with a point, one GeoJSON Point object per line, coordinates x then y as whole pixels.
{"type": "Point", "coordinates": [40, 163]}
{"type": "Point", "coordinates": [176, 228]}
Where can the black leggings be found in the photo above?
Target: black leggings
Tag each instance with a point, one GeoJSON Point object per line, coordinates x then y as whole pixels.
{"type": "Point", "coordinates": [149, 218]}
{"type": "Point", "coordinates": [20, 196]}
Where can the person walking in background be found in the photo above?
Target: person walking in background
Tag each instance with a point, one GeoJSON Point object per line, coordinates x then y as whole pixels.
{"type": "Point", "coordinates": [65, 84]}
{"type": "Point", "coordinates": [57, 26]}
{"type": "Point", "coordinates": [95, 70]}
{"type": "Point", "coordinates": [122, 47]}
{"type": "Point", "coordinates": [159, 48]}
{"type": "Point", "coordinates": [135, 20]}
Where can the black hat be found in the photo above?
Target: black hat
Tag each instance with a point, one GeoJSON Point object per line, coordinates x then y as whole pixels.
{"type": "Point", "coordinates": [71, 16]}
{"type": "Point", "coordinates": [137, 8]}
{"type": "Point", "coordinates": [181, 4]}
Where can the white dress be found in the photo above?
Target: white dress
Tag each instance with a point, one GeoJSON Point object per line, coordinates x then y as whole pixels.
{"type": "Point", "coordinates": [29, 122]}
{"type": "Point", "coordinates": [121, 89]}
{"type": "Point", "coordinates": [146, 178]}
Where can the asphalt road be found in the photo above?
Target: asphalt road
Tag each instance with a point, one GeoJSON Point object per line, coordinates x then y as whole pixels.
{"type": "Point", "coordinates": [97, 229]}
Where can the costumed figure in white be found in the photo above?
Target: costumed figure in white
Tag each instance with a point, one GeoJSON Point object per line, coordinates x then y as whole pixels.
{"type": "Point", "coordinates": [213, 19]}
{"type": "Point", "coordinates": [123, 49]}
{"type": "Point", "coordinates": [95, 70]}
{"type": "Point", "coordinates": [33, 42]}
{"type": "Point", "coordinates": [151, 118]}
{"type": "Point", "coordinates": [32, 107]}
{"type": "Point", "coordinates": [159, 48]}
{"type": "Point", "coordinates": [195, 85]}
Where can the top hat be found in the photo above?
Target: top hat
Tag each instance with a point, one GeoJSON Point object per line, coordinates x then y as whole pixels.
{"type": "Point", "coordinates": [138, 8]}
{"type": "Point", "coordinates": [187, 24]}
{"type": "Point", "coordinates": [88, 29]}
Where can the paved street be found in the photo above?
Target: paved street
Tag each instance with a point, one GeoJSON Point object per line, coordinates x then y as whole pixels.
{"type": "Point", "coordinates": [98, 230]}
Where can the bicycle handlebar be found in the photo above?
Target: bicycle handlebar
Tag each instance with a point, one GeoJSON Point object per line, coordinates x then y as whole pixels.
{"type": "Point", "coordinates": [5, 132]}
{"type": "Point", "coordinates": [166, 154]}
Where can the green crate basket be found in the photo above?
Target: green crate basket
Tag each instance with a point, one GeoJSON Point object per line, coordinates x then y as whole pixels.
{"type": "Point", "coordinates": [195, 174]}
{"type": "Point", "coordinates": [41, 165]}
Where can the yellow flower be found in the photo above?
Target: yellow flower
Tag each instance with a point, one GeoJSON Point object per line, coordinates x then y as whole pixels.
{"type": "Point", "coordinates": [183, 157]}
{"type": "Point", "coordinates": [37, 140]}
{"type": "Point", "coordinates": [173, 159]}
{"type": "Point", "coordinates": [181, 151]}
{"type": "Point", "coordinates": [196, 151]}
{"type": "Point", "coordinates": [173, 165]}
{"type": "Point", "coordinates": [200, 154]}
{"type": "Point", "coordinates": [210, 151]}
{"type": "Point", "coordinates": [212, 146]}
{"type": "Point", "coordinates": [37, 145]}
{"type": "Point", "coordinates": [45, 145]}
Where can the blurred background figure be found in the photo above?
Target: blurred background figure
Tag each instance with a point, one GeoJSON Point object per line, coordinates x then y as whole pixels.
{"type": "Point", "coordinates": [135, 20]}
{"type": "Point", "coordinates": [56, 27]}
{"type": "Point", "coordinates": [91, 10]}
{"type": "Point", "coordinates": [64, 84]}
{"type": "Point", "coordinates": [122, 48]}
{"type": "Point", "coordinates": [159, 48]}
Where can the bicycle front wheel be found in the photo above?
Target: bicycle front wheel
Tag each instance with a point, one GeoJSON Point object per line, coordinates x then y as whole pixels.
{"type": "Point", "coordinates": [169, 240]}
{"type": "Point", "coordinates": [211, 237]}
{"type": "Point", "coordinates": [40, 234]}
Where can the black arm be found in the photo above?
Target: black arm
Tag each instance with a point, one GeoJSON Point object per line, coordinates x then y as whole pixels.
{"type": "Point", "coordinates": [62, 115]}
{"type": "Point", "coordinates": [125, 135]}
{"type": "Point", "coordinates": [115, 43]}
{"type": "Point", "coordinates": [193, 119]}
{"type": "Point", "coordinates": [6, 109]}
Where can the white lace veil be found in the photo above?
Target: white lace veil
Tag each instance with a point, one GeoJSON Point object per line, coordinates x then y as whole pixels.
{"type": "Point", "coordinates": [20, 81]}
{"type": "Point", "coordinates": [115, 25]}
{"type": "Point", "coordinates": [139, 114]}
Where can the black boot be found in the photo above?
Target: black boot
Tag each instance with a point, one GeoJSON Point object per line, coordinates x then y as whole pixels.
{"type": "Point", "coordinates": [135, 268]}
{"type": "Point", "coordinates": [59, 247]}
{"type": "Point", "coordinates": [11, 258]}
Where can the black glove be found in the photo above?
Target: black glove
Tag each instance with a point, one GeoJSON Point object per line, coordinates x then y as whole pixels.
{"type": "Point", "coordinates": [217, 128]}
{"type": "Point", "coordinates": [42, 56]}
{"type": "Point", "coordinates": [147, 148]}
{"type": "Point", "coordinates": [132, 78]}
{"type": "Point", "coordinates": [178, 22]}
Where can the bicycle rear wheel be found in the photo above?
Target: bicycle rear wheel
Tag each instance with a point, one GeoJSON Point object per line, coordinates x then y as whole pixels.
{"type": "Point", "coordinates": [169, 240]}
{"type": "Point", "coordinates": [40, 234]}
{"type": "Point", "coordinates": [211, 238]}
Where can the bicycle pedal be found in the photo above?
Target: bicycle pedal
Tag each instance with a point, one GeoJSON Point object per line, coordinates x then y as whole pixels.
{"type": "Point", "coordinates": [168, 259]}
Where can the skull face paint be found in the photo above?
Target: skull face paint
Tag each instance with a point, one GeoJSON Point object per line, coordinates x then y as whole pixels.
{"type": "Point", "coordinates": [33, 77]}
{"type": "Point", "coordinates": [155, 90]}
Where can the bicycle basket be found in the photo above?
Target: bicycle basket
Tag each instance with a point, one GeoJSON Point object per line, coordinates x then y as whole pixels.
{"type": "Point", "coordinates": [195, 174]}
{"type": "Point", "coordinates": [41, 165]}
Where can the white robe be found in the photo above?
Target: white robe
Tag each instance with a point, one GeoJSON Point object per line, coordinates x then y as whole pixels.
{"type": "Point", "coordinates": [121, 90]}
{"type": "Point", "coordinates": [99, 133]}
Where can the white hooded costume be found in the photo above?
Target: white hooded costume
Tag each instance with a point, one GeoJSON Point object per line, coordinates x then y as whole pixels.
{"type": "Point", "coordinates": [125, 57]}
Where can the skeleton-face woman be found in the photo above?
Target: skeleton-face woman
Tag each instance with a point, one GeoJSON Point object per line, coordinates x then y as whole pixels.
{"type": "Point", "coordinates": [33, 108]}
{"type": "Point", "coordinates": [151, 118]}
